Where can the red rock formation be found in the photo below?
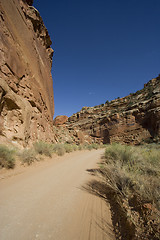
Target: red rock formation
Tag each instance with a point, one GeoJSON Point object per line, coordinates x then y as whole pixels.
{"type": "Point", "coordinates": [60, 120]}
{"type": "Point", "coordinates": [26, 91]}
{"type": "Point", "coordinates": [130, 120]}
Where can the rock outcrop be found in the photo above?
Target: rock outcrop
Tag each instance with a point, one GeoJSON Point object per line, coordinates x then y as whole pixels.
{"type": "Point", "coordinates": [26, 87]}
{"type": "Point", "coordinates": [131, 120]}
{"type": "Point", "coordinates": [60, 120]}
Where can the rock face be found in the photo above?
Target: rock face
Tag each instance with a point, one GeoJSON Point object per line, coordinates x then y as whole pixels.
{"type": "Point", "coordinates": [26, 91]}
{"type": "Point", "coordinates": [60, 120]}
{"type": "Point", "coordinates": [131, 120]}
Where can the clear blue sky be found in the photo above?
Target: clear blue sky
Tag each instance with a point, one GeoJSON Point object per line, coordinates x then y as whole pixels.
{"type": "Point", "coordinates": [104, 49]}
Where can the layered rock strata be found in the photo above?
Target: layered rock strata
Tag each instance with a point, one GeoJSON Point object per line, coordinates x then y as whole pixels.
{"type": "Point", "coordinates": [131, 120]}
{"type": "Point", "coordinates": [26, 87]}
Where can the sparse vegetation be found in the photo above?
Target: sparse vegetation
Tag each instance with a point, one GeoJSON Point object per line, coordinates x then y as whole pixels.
{"type": "Point", "coordinates": [58, 149]}
{"type": "Point", "coordinates": [28, 156]}
{"type": "Point", "coordinates": [139, 92]}
{"type": "Point", "coordinates": [94, 146]}
{"type": "Point", "coordinates": [149, 92]}
{"type": "Point", "coordinates": [7, 158]}
{"type": "Point", "coordinates": [43, 148]}
{"type": "Point", "coordinates": [136, 169]}
{"type": "Point", "coordinates": [132, 176]}
{"type": "Point", "coordinates": [68, 148]}
{"type": "Point", "coordinates": [75, 147]}
{"type": "Point", "coordinates": [80, 147]}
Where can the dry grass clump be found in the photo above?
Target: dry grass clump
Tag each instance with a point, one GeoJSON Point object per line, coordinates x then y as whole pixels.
{"type": "Point", "coordinates": [75, 147]}
{"type": "Point", "coordinates": [58, 149]}
{"type": "Point", "coordinates": [7, 158]}
{"type": "Point", "coordinates": [132, 174]}
{"type": "Point", "coordinates": [68, 147]}
{"type": "Point", "coordinates": [43, 148]}
{"type": "Point", "coordinates": [134, 169]}
{"type": "Point", "coordinates": [91, 146]}
{"type": "Point", "coordinates": [28, 156]}
{"type": "Point", "coordinates": [61, 149]}
{"type": "Point", "coordinates": [80, 147]}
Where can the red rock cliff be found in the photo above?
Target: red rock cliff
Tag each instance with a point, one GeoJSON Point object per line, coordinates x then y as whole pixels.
{"type": "Point", "coordinates": [26, 88]}
{"type": "Point", "coordinates": [133, 119]}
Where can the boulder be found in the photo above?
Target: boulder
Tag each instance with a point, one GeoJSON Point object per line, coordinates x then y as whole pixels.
{"type": "Point", "coordinates": [60, 120]}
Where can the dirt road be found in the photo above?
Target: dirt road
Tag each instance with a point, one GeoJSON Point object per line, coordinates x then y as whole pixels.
{"type": "Point", "coordinates": [48, 202]}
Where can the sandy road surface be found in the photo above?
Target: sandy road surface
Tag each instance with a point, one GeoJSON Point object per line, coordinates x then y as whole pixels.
{"type": "Point", "coordinates": [47, 202]}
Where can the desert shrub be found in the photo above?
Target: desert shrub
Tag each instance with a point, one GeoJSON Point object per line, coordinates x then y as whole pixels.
{"type": "Point", "coordinates": [119, 152]}
{"type": "Point", "coordinates": [95, 146]}
{"type": "Point", "coordinates": [130, 181]}
{"type": "Point", "coordinates": [28, 156]}
{"type": "Point", "coordinates": [149, 92]}
{"type": "Point", "coordinates": [88, 147]}
{"type": "Point", "coordinates": [59, 149]}
{"type": "Point", "coordinates": [43, 148]}
{"type": "Point", "coordinates": [133, 169]}
{"type": "Point", "coordinates": [80, 147]}
{"type": "Point", "coordinates": [7, 159]}
{"type": "Point", "coordinates": [75, 147]}
{"type": "Point", "coordinates": [91, 146]}
{"type": "Point", "coordinates": [68, 148]}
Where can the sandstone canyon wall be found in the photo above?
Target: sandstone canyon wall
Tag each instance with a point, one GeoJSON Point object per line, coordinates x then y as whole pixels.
{"type": "Point", "coordinates": [26, 88]}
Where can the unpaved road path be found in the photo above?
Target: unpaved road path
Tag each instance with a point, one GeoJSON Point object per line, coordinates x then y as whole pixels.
{"type": "Point", "coordinates": [48, 202]}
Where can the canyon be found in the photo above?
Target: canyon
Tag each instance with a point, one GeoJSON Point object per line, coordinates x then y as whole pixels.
{"type": "Point", "coordinates": [26, 92]}
{"type": "Point", "coordinates": [55, 189]}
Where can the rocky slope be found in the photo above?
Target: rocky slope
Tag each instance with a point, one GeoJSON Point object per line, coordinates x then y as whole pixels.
{"type": "Point", "coordinates": [131, 120]}
{"type": "Point", "coordinates": [26, 92]}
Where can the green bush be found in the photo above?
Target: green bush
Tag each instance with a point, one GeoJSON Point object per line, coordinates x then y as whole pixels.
{"type": "Point", "coordinates": [7, 159]}
{"type": "Point", "coordinates": [43, 148]}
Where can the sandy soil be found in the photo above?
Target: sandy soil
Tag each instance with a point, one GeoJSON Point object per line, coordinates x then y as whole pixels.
{"type": "Point", "coordinates": [47, 201]}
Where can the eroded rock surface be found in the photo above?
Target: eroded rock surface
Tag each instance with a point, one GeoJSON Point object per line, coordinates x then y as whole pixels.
{"type": "Point", "coordinates": [26, 91]}
{"type": "Point", "coordinates": [131, 120]}
{"type": "Point", "coordinates": [60, 120]}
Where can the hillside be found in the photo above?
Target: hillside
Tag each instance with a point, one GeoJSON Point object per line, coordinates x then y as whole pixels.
{"type": "Point", "coordinates": [132, 119]}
